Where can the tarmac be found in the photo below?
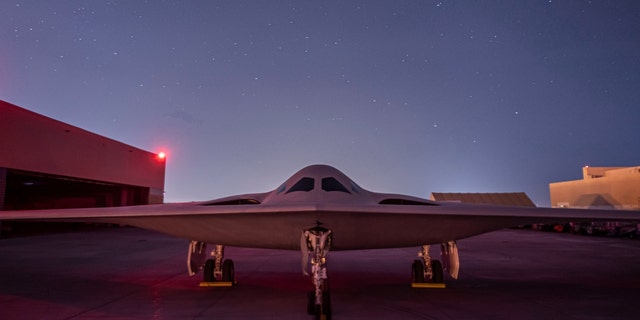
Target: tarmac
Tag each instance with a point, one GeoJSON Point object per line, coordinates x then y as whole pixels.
{"type": "Point", "coordinates": [128, 273]}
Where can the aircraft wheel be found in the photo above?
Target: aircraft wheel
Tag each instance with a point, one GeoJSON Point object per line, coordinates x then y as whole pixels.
{"type": "Point", "coordinates": [318, 312]}
{"type": "Point", "coordinates": [326, 302]}
{"type": "Point", "coordinates": [209, 266]}
{"type": "Point", "coordinates": [436, 266]}
{"type": "Point", "coordinates": [311, 302]}
{"type": "Point", "coordinates": [323, 312]}
{"type": "Point", "coordinates": [417, 272]}
{"type": "Point", "coordinates": [228, 271]}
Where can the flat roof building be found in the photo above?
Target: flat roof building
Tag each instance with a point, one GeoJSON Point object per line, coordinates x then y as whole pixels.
{"type": "Point", "coordinates": [45, 164]}
{"type": "Point", "coordinates": [600, 187]}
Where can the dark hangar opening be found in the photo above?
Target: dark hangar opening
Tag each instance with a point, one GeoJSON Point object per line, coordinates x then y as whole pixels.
{"type": "Point", "coordinates": [31, 191]}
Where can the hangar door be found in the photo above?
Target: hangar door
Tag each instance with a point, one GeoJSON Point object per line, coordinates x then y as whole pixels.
{"type": "Point", "coordinates": [28, 190]}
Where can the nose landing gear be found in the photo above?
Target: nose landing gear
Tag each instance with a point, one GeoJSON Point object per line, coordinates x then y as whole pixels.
{"type": "Point", "coordinates": [316, 242]}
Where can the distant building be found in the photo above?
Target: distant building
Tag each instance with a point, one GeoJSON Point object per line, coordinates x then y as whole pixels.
{"type": "Point", "coordinates": [519, 199]}
{"type": "Point", "coordinates": [601, 187]}
{"type": "Point", "coordinates": [46, 164]}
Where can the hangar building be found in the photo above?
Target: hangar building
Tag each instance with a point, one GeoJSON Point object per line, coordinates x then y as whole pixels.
{"type": "Point", "coordinates": [47, 164]}
{"type": "Point", "coordinates": [600, 187]}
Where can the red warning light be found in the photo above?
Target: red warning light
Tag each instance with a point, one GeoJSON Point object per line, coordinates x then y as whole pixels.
{"type": "Point", "coordinates": [162, 155]}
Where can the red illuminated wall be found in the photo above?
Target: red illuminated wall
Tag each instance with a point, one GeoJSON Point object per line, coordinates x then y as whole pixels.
{"type": "Point", "coordinates": [35, 143]}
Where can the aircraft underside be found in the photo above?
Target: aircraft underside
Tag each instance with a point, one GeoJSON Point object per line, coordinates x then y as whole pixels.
{"type": "Point", "coordinates": [315, 244]}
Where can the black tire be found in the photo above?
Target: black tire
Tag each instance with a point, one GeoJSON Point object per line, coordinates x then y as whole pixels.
{"type": "Point", "coordinates": [228, 271]}
{"type": "Point", "coordinates": [323, 312]}
{"type": "Point", "coordinates": [436, 267]}
{"type": "Point", "coordinates": [320, 311]}
{"type": "Point", "coordinates": [417, 272]}
{"type": "Point", "coordinates": [209, 266]}
{"type": "Point", "coordinates": [326, 302]}
{"type": "Point", "coordinates": [311, 302]}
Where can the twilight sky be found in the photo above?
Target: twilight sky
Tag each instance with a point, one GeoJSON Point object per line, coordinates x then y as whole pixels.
{"type": "Point", "coordinates": [403, 96]}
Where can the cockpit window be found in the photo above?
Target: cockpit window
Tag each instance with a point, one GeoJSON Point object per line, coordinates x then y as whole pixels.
{"type": "Point", "coordinates": [304, 184]}
{"type": "Point", "coordinates": [331, 184]}
{"type": "Point", "coordinates": [281, 188]}
{"type": "Point", "coordinates": [355, 188]}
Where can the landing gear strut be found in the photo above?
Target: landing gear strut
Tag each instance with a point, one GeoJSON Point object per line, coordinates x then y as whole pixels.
{"type": "Point", "coordinates": [316, 242]}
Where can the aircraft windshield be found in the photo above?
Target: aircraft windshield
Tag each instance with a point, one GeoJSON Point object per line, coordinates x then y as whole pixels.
{"type": "Point", "coordinates": [304, 184]}
{"type": "Point", "coordinates": [331, 184]}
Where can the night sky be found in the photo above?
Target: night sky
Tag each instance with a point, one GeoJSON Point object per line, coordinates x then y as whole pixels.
{"type": "Point", "coordinates": [406, 97]}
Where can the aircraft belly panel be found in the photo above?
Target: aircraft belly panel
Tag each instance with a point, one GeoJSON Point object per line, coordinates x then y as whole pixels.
{"type": "Point", "coordinates": [351, 230]}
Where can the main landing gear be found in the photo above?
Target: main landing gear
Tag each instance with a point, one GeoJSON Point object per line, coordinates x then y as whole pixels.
{"type": "Point", "coordinates": [218, 272]}
{"type": "Point", "coordinates": [426, 273]}
{"type": "Point", "coordinates": [429, 273]}
{"type": "Point", "coordinates": [316, 242]}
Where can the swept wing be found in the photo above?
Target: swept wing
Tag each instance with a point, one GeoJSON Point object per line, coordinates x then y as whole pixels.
{"type": "Point", "coordinates": [360, 219]}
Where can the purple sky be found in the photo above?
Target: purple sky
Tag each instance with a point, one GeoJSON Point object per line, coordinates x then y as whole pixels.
{"type": "Point", "coordinates": [403, 96]}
